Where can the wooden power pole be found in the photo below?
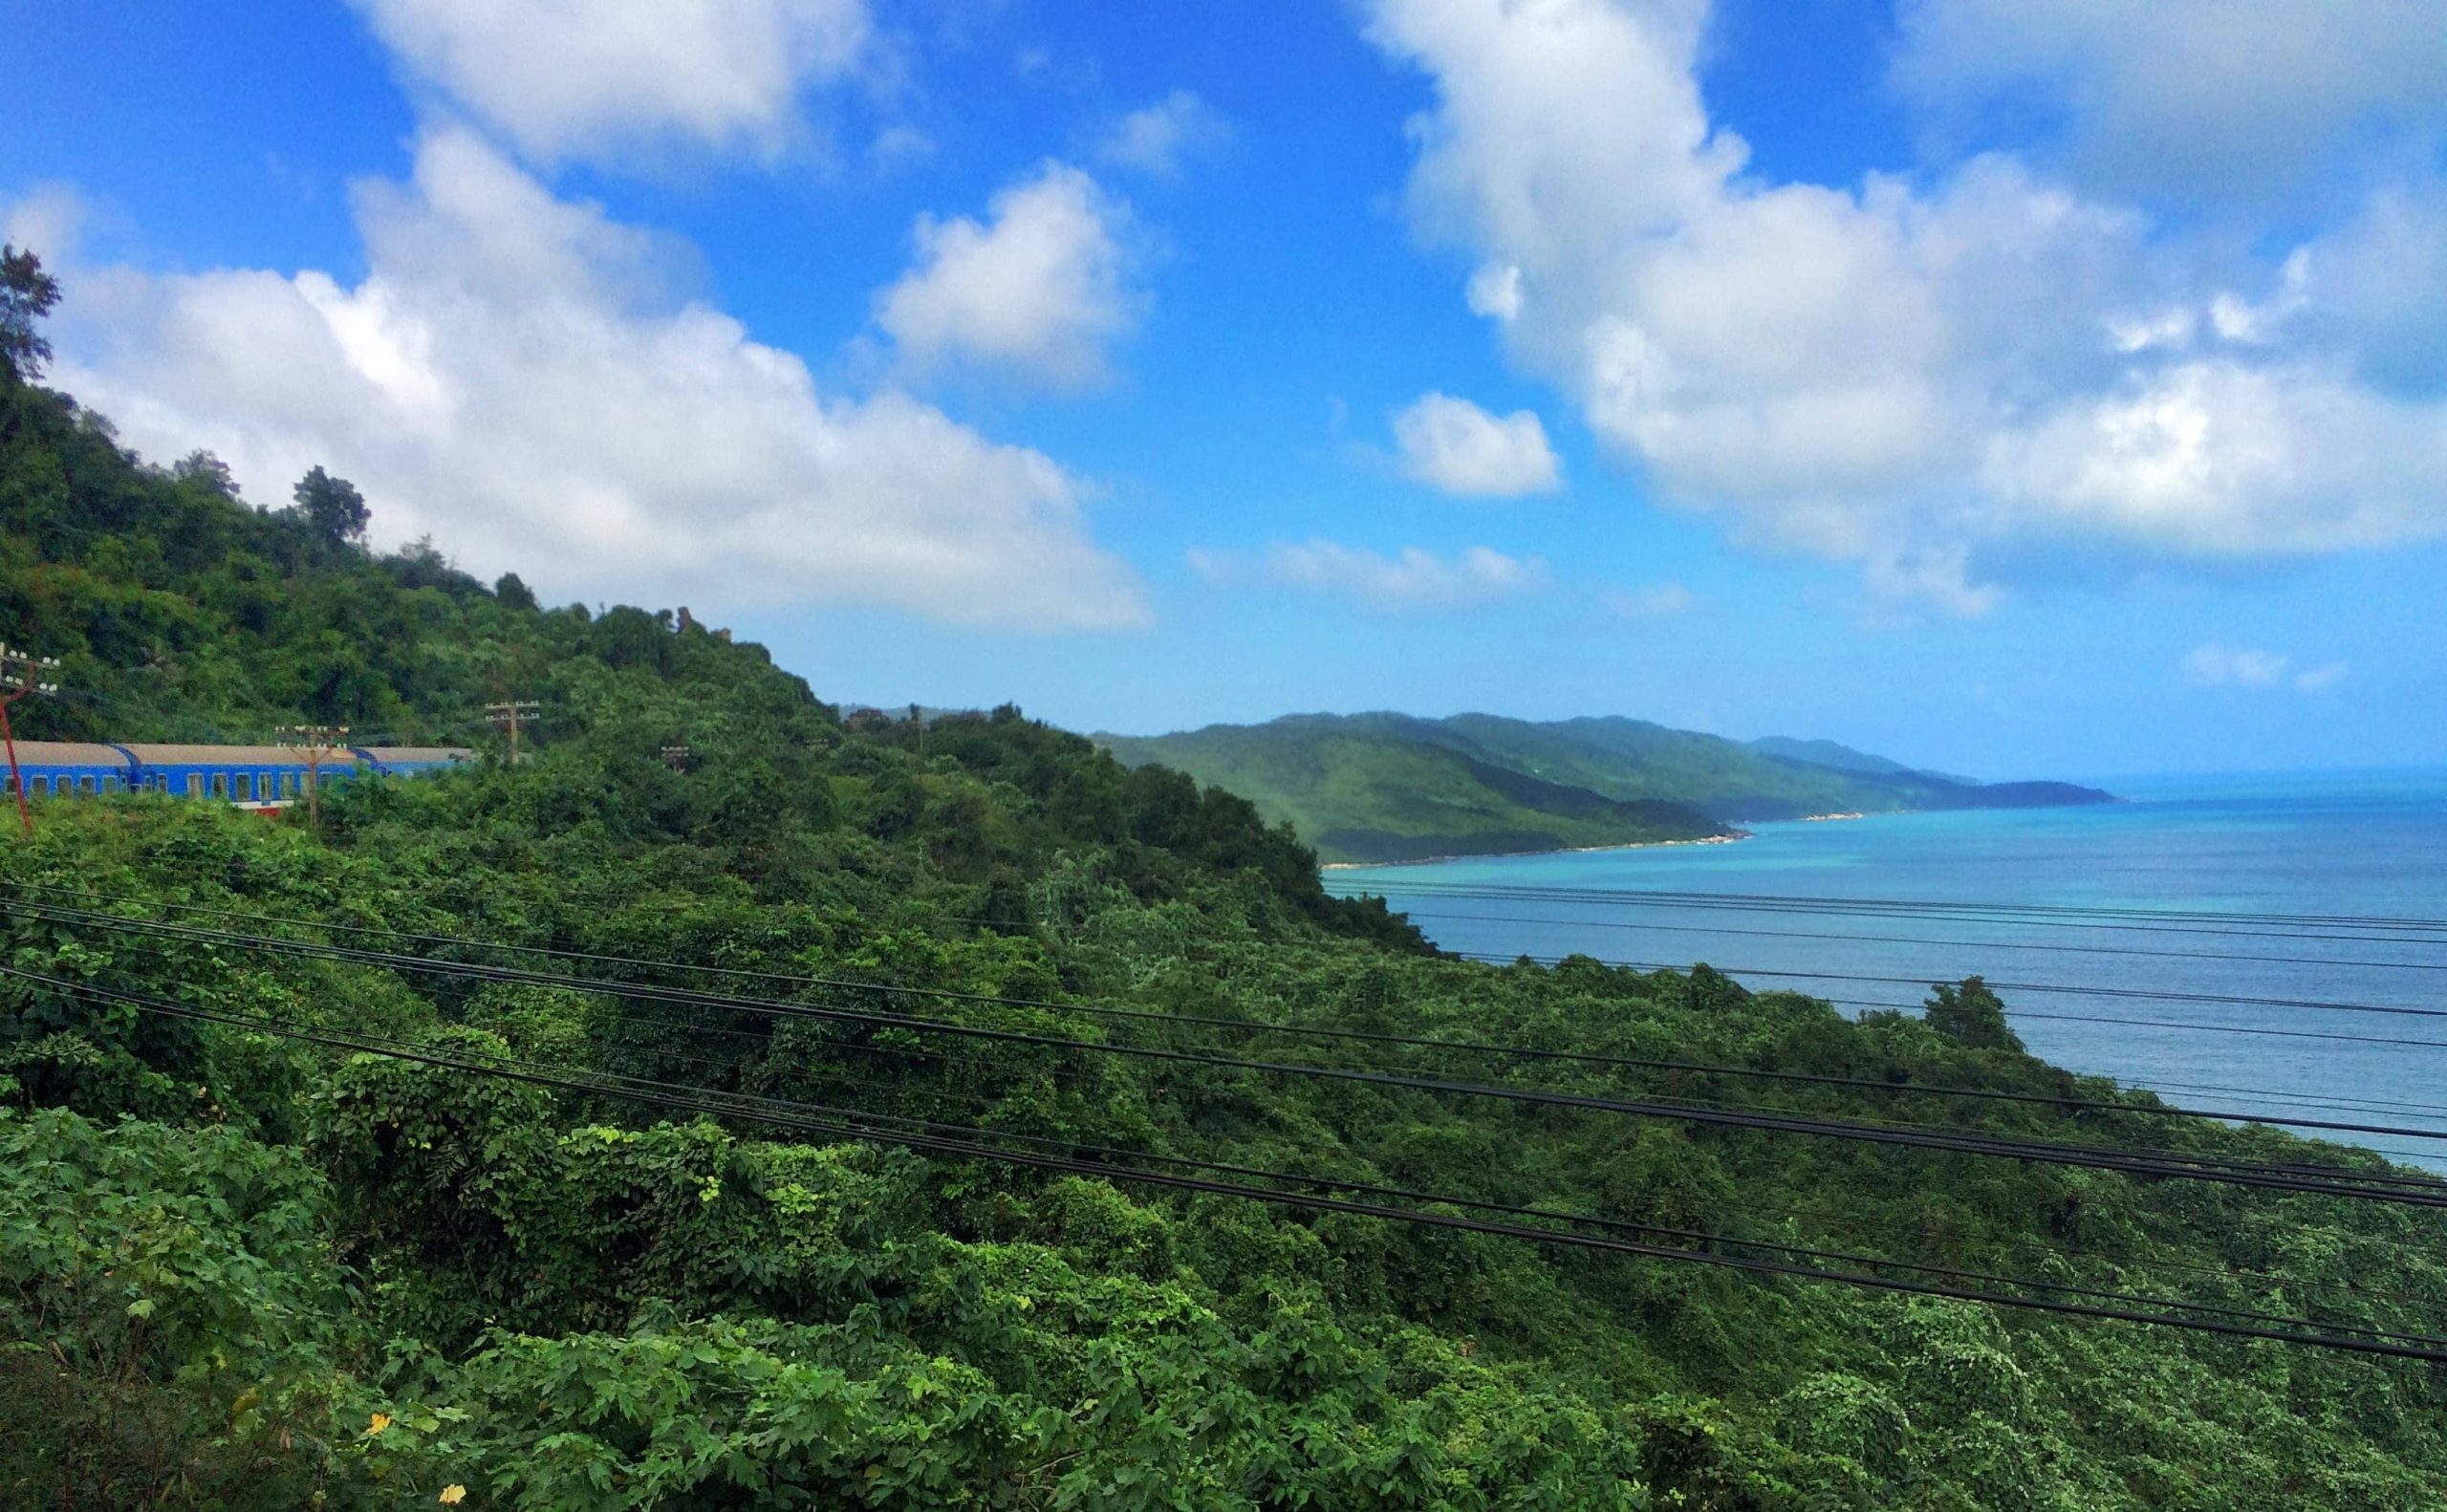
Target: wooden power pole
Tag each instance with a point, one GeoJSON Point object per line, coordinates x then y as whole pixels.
{"type": "Point", "coordinates": [510, 715]}
{"type": "Point", "coordinates": [315, 742]}
{"type": "Point", "coordinates": [24, 675]}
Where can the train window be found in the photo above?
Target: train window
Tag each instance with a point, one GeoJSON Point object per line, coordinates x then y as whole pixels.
{"type": "Point", "coordinates": [221, 784]}
{"type": "Point", "coordinates": [84, 785]}
{"type": "Point", "coordinates": [42, 785]}
{"type": "Point", "coordinates": [195, 785]}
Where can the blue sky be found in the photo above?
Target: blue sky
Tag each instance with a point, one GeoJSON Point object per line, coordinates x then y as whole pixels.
{"type": "Point", "coordinates": [2053, 387]}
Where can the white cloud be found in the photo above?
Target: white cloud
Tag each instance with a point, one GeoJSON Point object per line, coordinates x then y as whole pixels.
{"type": "Point", "coordinates": [2373, 290]}
{"type": "Point", "coordinates": [1410, 581]}
{"type": "Point", "coordinates": [1041, 289]}
{"type": "Point", "coordinates": [2187, 97]}
{"type": "Point", "coordinates": [1451, 443]}
{"type": "Point", "coordinates": [596, 78]}
{"type": "Point", "coordinates": [1495, 291]}
{"type": "Point", "coordinates": [1159, 138]}
{"type": "Point", "coordinates": [1931, 379]}
{"type": "Point", "coordinates": [1650, 601]}
{"type": "Point", "coordinates": [49, 220]}
{"type": "Point", "coordinates": [509, 377]}
{"type": "Point", "coordinates": [2216, 666]}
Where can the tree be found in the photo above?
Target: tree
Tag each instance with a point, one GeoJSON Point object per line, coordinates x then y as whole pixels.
{"type": "Point", "coordinates": [332, 507]}
{"type": "Point", "coordinates": [26, 294]}
{"type": "Point", "coordinates": [203, 468]}
{"type": "Point", "coordinates": [514, 593]}
{"type": "Point", "coordinates": [1971, 1014]}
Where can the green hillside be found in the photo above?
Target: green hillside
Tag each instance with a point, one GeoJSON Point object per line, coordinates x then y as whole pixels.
{"type": "Point", "coordinates": [837, 1117]}
{"type": "Point", "coordinates": [1393, 787]}
{"type": "Point", "coordinates": [1367, 788]}
{"type": "Point", "coordinates": [1826, 753]}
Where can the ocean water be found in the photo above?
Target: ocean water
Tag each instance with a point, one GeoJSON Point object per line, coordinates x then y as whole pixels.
{"type": "Point", "coordinates": [2360, 1031]}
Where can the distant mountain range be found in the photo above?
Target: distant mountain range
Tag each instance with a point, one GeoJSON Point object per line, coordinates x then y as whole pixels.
{"type": "Point", "coordinates": [1395, 787]}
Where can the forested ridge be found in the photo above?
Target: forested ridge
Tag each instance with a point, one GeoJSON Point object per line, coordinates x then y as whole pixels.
{"type": "Point", "coordinates": [1396, 787]}
{"type": "Point", "coordinates": [541, 1135]}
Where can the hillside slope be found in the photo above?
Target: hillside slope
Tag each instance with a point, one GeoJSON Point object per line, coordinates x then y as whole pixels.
{"type": "Point", "coordinates": [805, 1120]}
{"type": "Point", "coordinates": [1385, 787]}
{"type": "Point", "coordinates": [1390, 786]}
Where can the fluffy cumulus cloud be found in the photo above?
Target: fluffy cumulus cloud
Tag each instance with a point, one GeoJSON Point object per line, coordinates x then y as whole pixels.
{"type": "Point", "coordinates": [1159, 138]}
{"type": "Point", "coordinates": [2187, 97]}
{"type": "Point", "coordinates": [1040, 289]}
{"type": "Point", "coordinates": [510, 376]}
{"type": "Point", "coordinates": [1411, 581]}
{"type": "Point", "coordinates": [1453, 444]}
{"type": "Point", "coordinates": [594, 78]}
{"type": "Point", "coordinates": [1935, 377]}
{"type": "Point", "coordinates": [2217, 667]}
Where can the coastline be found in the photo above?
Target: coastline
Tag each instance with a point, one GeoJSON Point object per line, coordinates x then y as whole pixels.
{"type": "Point", "coordinates": [1502, 855]}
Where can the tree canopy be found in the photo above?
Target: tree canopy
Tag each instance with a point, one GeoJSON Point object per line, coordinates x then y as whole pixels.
{"type": "Point", "coordinates": [26, 294]}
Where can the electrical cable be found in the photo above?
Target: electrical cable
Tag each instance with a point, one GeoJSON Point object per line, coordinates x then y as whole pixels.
{"type": "Point", "coordinates": [1364, 1036]}
{"type": "Point", "coordinates": [2290, 1330]}
{"type": "Point", "coordinates": [1742, 904]}
{"type": "Point", "coordinates": [2220, 955]}
{"type": "Point", "coordinates": [2099, 1157]}
{"type": "Point", "coordinates": [1802, 901]}
{"type": "Point", "coordinates": [971, 1097]}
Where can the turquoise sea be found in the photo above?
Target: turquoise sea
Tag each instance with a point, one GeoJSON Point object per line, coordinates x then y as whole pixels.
{"type": "Point", "coordinates": [2121, 998]}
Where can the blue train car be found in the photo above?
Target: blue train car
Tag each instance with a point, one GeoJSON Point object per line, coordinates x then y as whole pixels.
{"type": "Point", "coordinates": [410, 761]}
{"type": "Point", "coordinates": [69, 768]}
{"type": "Point", "coordinates": [250, 776]}
{"type": "Point", "coordinates": [242, 774]}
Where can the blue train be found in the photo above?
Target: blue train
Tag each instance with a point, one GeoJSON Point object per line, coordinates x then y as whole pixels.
{"type": "Point", "coordinates": [252, 776]}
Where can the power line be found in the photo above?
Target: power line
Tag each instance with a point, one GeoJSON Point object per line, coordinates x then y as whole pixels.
{"type": "Point", "coordinates": [1805, 902]}
{"type": "Point", "coordinates": [1614, 1225]}
{"type": "Point", "coordinates": [2271, 1328]}
{"type": "Point", "coordinates": [976, 1098]}
{"type": "Point", "coordinates": [2004, 915]}
{"type": "Point", "coordinates": [2228, 957]}
{"type": "Point", "coordinates": [2216, 999]}
{"type": "Point", "coordinates": [1361, 1036]}
{"type": "Point", "coordinates": [2193, 1163]}
{"type": "Point", "coordinates": [2219, 999]}
{"type": "Point", "coordinates": [2206, 1168]}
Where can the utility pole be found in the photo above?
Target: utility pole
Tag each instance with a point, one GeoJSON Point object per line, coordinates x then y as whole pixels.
{"type": "Point", "coordinates": [317, 742]}
{"type": "Point", "coordinates": [510, 715]}
{"type": "Point", "coordinates": [23, 673]}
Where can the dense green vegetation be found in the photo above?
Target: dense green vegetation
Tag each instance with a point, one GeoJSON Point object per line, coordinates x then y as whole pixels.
{"type": "Point", "coordinates": [243, 1269]}
{"type": "Point", "coordinates": [1366, 789]}
{"type": "Point", "coordinates": [1393, 787]}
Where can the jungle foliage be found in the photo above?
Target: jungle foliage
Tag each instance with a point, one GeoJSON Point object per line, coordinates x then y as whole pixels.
{"type": "Point", "coordinates": [239, 1268]}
